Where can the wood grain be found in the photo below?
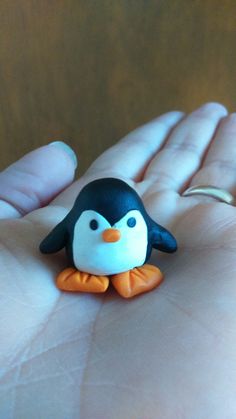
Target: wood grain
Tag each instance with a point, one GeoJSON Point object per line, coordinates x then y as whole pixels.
{"type": "Point", "coordinates": [88, 72]}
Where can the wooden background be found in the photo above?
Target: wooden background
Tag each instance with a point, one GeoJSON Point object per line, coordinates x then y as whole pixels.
{"type": "Point", "coordinates": [89, 71]}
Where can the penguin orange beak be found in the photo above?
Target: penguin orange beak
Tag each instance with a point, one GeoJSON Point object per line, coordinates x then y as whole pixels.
{"type": "Point", "coordinates": [111, 235]}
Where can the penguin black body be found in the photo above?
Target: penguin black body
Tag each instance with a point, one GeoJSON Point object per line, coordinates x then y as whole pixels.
{"type": "Point", "coordinates": [108, 231]}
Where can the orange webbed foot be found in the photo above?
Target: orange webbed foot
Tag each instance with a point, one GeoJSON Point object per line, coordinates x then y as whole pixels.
{"type": "Point", "coordinates": [73, 280]}
{"type": "Point", "coordinates": [137, 281]}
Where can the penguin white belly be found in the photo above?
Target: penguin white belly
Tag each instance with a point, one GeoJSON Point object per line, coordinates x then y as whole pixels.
{"type": "Point", "coordinates": [91, 254]}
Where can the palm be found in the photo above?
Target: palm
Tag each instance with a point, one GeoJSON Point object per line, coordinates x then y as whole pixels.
{"type": "Point", "coordinates": [111, 358]}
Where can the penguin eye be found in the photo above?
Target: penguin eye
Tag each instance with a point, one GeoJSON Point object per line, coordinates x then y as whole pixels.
{"type": "Point", "coordinates": [93, 224]}
{"type": "Point", "coordinates": [131, 222]}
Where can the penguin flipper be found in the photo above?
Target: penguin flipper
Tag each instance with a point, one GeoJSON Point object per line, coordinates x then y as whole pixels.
{"type": "Point", "coordinates": [55, 240]}
{"type": "Point", "coordinates": [163, 240]}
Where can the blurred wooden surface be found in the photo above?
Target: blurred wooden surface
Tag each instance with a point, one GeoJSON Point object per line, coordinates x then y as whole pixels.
{"type": "Point", "coordinates": [88, 71]}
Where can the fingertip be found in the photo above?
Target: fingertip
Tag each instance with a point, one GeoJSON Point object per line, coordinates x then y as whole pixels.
{"type": "Point", "coordinates": [212, 108]}
{"type": "Point", "coordinates": [172, 118]}
{"type": "Point", "coordinates": [67, 149]}
{"type": "Point", "coordinates": [168, 118]}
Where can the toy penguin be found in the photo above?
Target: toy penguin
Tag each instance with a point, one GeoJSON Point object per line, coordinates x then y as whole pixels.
{"type": "Point", "coordinates": [108, 236]}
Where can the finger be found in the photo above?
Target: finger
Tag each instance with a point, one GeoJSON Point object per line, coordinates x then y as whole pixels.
{"type": "Point", "coordinates": [36, 179]}
{"type": "Point", "coordinates": [219, 166]}
{"type": "Point", "coordinates": [129, 157]}
{"type": "Point", "coordinates": [181, 156]}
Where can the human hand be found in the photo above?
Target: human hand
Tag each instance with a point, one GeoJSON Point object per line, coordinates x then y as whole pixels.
{"type": "Point", "coordinates": [166, 354]}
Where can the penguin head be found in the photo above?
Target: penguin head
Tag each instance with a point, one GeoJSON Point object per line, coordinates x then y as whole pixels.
{"type": "Point", "coordinates": [108, 230]}
{"type": "Point", "coordinates": [110, 197]}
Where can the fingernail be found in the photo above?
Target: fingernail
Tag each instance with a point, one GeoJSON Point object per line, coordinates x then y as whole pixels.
{"type": "Point", "coordinates": [67, 149]}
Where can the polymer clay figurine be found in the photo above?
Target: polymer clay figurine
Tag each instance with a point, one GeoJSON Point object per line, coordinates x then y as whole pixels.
{"type": "Point", "coordinates": [108, 236]}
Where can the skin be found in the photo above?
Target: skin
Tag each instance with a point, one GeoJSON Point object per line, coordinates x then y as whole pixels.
{"type": "Point", "coordinates": [166, 354]}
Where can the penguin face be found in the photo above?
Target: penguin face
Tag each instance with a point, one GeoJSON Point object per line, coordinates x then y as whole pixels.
{"type": "Point", "coordinates": [104, 249]}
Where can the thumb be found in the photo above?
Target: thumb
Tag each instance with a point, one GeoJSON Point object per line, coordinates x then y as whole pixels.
{"type": "Point", "coordinates": [36, 179]}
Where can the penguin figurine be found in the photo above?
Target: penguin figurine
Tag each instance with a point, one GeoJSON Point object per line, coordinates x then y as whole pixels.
{"type": "Point", "coordinates": [108, 237]}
